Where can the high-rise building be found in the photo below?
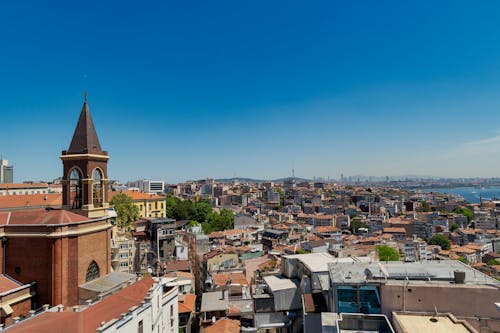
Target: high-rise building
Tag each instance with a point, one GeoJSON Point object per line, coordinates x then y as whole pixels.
{"type": "Point", "coordinates": [6, 172]}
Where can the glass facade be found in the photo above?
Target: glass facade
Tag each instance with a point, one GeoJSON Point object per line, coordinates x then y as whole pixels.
{"type": "Point", "coordinates": [358, 299]}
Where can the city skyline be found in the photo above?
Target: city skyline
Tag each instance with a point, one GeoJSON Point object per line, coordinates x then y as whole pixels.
{"type": "Point", "coordinates": [182, 92]}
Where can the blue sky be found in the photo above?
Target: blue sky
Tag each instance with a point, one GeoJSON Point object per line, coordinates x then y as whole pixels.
{"type": "Point", "coordinates": [194, 89]}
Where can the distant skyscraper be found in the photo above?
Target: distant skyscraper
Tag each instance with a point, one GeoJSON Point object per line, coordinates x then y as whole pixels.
{"type": "Point", "coordinates": [6, 172]}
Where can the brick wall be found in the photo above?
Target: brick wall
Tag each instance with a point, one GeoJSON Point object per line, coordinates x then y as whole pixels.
{"type": "Point", "coordinates": [33, 259]}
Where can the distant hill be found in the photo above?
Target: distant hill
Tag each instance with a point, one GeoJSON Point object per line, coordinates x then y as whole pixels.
{"type": "Point", "coordinates": [252, 180]}
{"type": "Point", "coordinates": [242, 180]}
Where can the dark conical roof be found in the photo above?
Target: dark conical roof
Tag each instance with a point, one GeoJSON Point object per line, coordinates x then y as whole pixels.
{"type": "Point", "coordinates": [85, 140]}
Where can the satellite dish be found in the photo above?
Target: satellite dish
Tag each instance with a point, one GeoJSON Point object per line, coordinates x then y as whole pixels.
{"type": "Point", "coordinates": [150, 270]}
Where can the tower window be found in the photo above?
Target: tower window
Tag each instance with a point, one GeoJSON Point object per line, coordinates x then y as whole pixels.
{"type": "Point", "coordinates": [92, 272]}
{"type": "Point", "coordinates": [75, 189]}
{"type": "Point", "coordinates": [97, 188]}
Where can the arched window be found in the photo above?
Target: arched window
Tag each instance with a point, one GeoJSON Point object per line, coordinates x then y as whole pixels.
{"type": "Point", "coordinates": [75, 189]}
{"type": "Point", "coordinates": [97, 188]}
{"type": "Point", "coordinates": [92, 272]}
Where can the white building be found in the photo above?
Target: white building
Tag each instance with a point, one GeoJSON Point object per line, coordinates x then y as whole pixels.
{"type": "Point", "coordinates": [149, 186]}
{"type": "Point", "coordinates": [145, 306]}
{"type": "Point", "coordinates": [158, 313]}
{"type": "Point", "coordinates": [24, 188]}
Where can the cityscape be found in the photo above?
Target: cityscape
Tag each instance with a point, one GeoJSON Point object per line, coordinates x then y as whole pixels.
{"type": "Point", "coordinates": [239, 178]}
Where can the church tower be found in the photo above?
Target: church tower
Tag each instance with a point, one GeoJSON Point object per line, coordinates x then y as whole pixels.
{"type": "Point", "coordinates": [85, 172]}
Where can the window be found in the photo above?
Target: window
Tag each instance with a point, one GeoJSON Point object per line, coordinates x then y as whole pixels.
{"type": "Point", "coordinates": [171, 310]}
{"type": "Point", "coordinates": [75, 189]}
{"type": "Point", "coordinates": [92, 272]}
{"type": "Point", "coordinates": [97, 188]}
{"type": "Point", "coordinates": [140, 327]}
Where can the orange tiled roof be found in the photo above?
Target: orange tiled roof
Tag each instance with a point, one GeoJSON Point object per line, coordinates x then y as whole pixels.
{"type": "Point", "coordinates": [236, 278]}
{"type": "Point", "coordinates": [224, 326]}
{"type": "Point", "coordinates": [463, 249]}
{"type": "Point", "coordinates": [30, 200]}
{"type": "Point", "coordinates": [22, 185]}
{"type": "Point", "coordinates": [186, 303]}
{"type": "Point", "coordinates": [476, 247]}
{"type": "Point", "coordinates": [136, 196]}
{"type": "Point", "coordinates": [89, 319]}
{"type": "Point", "coordinates": [329, 228]}
{"type": "Point", "coordinates": [7, 283]}
{"type": "Point", "coordinates": [394, 230]}
{"type": "Point", "coordinates": [41, 217]}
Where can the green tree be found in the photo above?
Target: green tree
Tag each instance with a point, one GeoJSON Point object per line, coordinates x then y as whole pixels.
{"type": "Point", "coordinates": [464, 211]}
{"type": "Point", "coordinates": [425, 207]}
{"type": "Point", "coordinates": [454, 227]}
{"type": "Point", "coordinates": [493, 262]}
{"type": "Point", "coordinates": [462, 259]}
{"type": "Point", "coordinates": [282, 196]}
{"type": "Point", "coordinates": [387, 253]}
{"type": "Point", "coordinates": [170, 202]}
{"type": "Point", "coordinates": [125, 209]}
{"type": "Point", "coordinates": [441, 241]}
{"type": "Point", "coordinates": [356, 224]}
{"type": "Point", "coordinates": [218, 221]}
{"type": "Point", "coordinates": [202, 208]}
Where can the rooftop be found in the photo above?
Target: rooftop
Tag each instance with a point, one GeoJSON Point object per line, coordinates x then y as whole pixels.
{"type": "Point", "coordinates": [135, 195]}
{"type": "Point", "coordinates": [186, 303]}
{"type": "Point", "coordinates": [40, 217]}
{"type": "Point", "coordinates": [224, 326]}
{"type": "Point", "coordinates": [277, 283]}
{"type": "Point", "coordinates": [7, 283]}
{"type": "Point", "coordinates": [318, 262]}
{"type": "Point", "coordinates": [214, 301]}
{"type": "Point", "coordinates": [425, 322]}
{"type": "Point", "coordinates": [89, 319]}
{"type": "Point", "coordinates": [432, 271]}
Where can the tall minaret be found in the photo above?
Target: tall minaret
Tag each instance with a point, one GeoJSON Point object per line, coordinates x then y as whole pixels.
{"type": "Point", "coordinates": [85, 169]}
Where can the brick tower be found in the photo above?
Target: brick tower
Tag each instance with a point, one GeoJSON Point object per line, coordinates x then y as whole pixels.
{"type": "Point", "coordinates": [85, 175]}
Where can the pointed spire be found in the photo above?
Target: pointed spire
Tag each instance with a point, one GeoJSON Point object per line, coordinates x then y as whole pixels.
{"type": "Point", "coordinates": [85, 140]}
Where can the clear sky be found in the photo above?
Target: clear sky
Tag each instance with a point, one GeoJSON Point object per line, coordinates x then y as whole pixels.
{"type": "Point", "coordinates": [193, 89]}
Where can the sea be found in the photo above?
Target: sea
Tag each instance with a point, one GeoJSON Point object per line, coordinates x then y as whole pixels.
{"type": "Point", "coordinates": [471, 194]}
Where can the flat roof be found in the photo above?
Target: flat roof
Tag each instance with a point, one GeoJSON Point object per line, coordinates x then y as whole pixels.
{"type": "Point", "coordinates": [432, 271]}
{"type": "Point", "coordinates": [108, 282]}
{"type": "Point", "coordinates": [318, 262]}
{"type": "Point", "coordinates": [213, 301]}
{"type": "Point", "coordinates": [442, 323]}
{"type": "Point", "coordinates": [277, 283]}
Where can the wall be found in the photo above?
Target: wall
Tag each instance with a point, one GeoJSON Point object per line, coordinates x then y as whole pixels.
{"type": "Point", "coordinates": [19, 253]}
{"type": "Point", "coordinates": [461, 300]}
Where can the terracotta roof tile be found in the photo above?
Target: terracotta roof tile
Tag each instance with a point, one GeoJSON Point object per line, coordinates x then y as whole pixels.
{"type": "Point", "coordinates": [90, 319]}
{"type": "Point", "coordinates": [136, 196]}
{"type": "Point", "coordinates": [394, 230]}
{"type": "Point", "coordinates": [323, 229]}
{"type": "Point", "coordinates": [224, 326]}
{"type": "Point", "coordinates": [186, 303]}
{"type": "Point", "coordinates": [30, 200]}
{"type": "Point", "coordinates": [43, 217]}
{"type": "Point", "coordinates": [22, 186]}
{"type": "Point", "coordinates": [236, 278]}
{"type": "Point", "coordinates": [7, 283]}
